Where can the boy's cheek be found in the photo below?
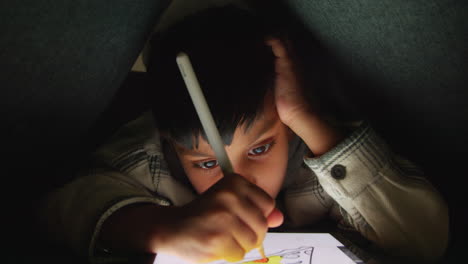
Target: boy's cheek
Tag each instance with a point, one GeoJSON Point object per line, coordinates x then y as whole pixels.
{"type": "Point", "coordinates": [201, 180]}
{"type": "Point", "coordinates": [274, 173]}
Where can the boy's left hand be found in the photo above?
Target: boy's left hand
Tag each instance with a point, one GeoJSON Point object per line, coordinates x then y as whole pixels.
{"type": "Point", "coordinates": [293, 108]}
{"type": "Point", "coordinates": [290, 102]}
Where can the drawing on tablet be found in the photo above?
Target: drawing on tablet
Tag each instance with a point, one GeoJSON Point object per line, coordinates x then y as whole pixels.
{"type": "Point", "coordinates": [301, 255]}
{"type": "Point", "coordinates": [287, 248]}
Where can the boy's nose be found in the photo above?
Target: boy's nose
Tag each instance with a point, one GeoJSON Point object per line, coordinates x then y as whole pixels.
{"type": "Point", "coordinates": [246, 173]}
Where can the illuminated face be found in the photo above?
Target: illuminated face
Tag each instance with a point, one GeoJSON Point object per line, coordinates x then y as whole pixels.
{"type": "Point", "coordinates": [260, 154]}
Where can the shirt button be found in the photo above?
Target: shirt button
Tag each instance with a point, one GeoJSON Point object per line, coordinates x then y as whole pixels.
{"type": "Point", "coordinates": [338, 172]}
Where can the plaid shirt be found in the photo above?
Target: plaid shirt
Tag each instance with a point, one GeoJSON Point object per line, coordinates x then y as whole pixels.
{"type": "Point", "coordinates": [359, 182]}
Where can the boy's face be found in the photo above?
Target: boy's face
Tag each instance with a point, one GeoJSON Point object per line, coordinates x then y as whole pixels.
{"type": "Point", "coordinates": [259, 154]}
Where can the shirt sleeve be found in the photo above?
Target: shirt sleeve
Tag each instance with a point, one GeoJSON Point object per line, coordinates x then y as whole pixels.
{"type": "Point", "coordinates": [129, 168]}
{"type": "Point", "coordinates": [75, 213]}
{"type": "Point", "coordinates": [386, 198]}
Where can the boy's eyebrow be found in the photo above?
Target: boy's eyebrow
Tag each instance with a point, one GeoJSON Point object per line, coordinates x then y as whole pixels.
{"type": "Point", "coordinates": [192, 152]}
{"type": "Point", "coordinates": [268, 125]}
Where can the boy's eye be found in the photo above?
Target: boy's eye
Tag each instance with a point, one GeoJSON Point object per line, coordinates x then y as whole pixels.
{"type": "Point", "coordinates": [260, 150]}
{"type": "Point", "coordinates": [209, 164]}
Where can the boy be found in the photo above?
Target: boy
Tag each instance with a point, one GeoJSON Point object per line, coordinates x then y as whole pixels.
{"type": "Point", "coordinates": [159, 189]}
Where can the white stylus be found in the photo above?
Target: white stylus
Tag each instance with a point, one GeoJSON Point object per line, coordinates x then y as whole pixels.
{"type": "Point", "coordinates": [203, 111]}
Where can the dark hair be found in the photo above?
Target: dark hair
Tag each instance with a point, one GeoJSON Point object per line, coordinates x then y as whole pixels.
{"type": "Point", "coordinates": [234, 66]}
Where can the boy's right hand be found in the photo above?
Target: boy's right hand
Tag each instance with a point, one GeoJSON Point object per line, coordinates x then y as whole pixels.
{"type": "Point", "coordinates": [225, 222]}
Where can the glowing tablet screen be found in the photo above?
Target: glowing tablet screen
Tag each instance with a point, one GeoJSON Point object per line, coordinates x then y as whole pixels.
{"type": "Point", "coordinates": [288, 248]}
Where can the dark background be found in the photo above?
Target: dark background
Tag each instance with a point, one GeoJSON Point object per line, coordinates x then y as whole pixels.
{"type": "Point", "coordinates": [65, 85]}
